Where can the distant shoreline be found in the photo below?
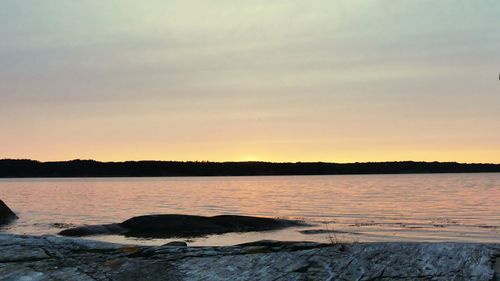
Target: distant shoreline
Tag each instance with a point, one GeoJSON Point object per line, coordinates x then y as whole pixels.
{"type": "Point", "coordinates": [13, 168]}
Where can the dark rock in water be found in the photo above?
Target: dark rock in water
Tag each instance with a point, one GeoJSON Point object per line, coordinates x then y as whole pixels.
{"type": "Point", "coordinates": [172, 225]}
{"type": "Point", "coordinates": [186, 225]}
{"type": "Point", "coordinates": [327, 231]}
{"type": "Point", "coordinates": [86, 230]}
{"type": "Point", "coordinates": [6, 214]}
{"type": "Point", "coordinates": [177, 244]}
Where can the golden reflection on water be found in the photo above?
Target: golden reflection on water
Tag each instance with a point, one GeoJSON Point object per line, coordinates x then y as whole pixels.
{"type": "Point", "coordinates": [439, 207]}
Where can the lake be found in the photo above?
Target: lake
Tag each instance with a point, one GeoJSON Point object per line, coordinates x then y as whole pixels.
{"type": "Point", "coordinates": [350, 208]}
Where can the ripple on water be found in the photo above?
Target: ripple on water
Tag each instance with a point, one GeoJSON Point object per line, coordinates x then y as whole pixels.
{"type": "Point", "coordinates": [436, 207]}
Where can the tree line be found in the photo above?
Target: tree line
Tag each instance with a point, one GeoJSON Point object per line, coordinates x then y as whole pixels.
{"type": "Point", "coordinates": [14, 168]}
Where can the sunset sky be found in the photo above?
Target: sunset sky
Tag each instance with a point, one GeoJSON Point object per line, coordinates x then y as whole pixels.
{"type": "Point", "coordinates": [318, 80]}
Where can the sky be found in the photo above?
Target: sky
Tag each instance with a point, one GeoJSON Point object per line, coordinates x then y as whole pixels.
{"type": "Point", "coordinates": [225, 80]}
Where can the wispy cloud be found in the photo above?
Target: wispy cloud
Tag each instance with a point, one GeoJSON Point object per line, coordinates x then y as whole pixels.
{"type": "Point", "coordinates": [319, 71]}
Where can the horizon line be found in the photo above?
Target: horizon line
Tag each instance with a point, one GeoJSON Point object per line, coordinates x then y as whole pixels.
{"type": "Point", "coordinates": [246, 161]}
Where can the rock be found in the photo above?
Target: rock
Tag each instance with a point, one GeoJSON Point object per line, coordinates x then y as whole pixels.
{"type": "Point", "coordinates": [14, 253]}
{"type": "Point", "coordinates": [6, 214]}
{"type": "Point", "coordinates": [61, 258]}
{"type": "Point", "coordinates": [256, 249]}
{"type": "Point", "coordinates": [94, 230]}
{"type": "Point", "coordinates": [177, 244]}
{"type": "Point", "coordinates": [276, 246]}
{"type": "Point", "coordinates": [327, 231]}
{"type": "Point", "coordinates": [172, 225]}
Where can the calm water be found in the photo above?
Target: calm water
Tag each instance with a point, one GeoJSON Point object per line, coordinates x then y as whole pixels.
{"type": "Point", "coordinates": [440, 207]}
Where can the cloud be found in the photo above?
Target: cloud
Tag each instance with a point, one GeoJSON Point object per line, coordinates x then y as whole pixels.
{"type": "Point", "coordinates": [263, 65]}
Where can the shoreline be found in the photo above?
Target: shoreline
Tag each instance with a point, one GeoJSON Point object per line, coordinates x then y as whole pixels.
{"type": "Point", "coordinates": [50, 257]}
{"type": "Point", "coordinates": [235, 176]}
{"type": "Point", "coordinates": [19, 168]}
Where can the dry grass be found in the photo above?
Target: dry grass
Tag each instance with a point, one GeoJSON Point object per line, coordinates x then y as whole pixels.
{"type": "Point", "coordinates": [336, 239]}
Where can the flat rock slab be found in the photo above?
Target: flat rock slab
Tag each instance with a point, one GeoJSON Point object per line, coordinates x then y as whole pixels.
{"type": "Point", "coordinates": [60, 258]}
{"type": "Point", "coordinates": [175, 225]}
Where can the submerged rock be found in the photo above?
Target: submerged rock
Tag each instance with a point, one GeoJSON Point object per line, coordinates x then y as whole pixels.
{"type": "Point", "coordinates": [172, 225]}
{"type": "Point", "coordinates": [6, 214]}
{"type": "Point", "coordinates": [87, 230]}
{"type": "Point", "coordinates": [176, 244]}
{"type": "Point", "coordinates": [327, 231]}
{"type": "Point", "coordinates": [62, 258]}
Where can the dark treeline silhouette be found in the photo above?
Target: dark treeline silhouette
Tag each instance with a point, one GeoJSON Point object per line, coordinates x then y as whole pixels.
{"type": "Point", "coordinates": [89, 168]}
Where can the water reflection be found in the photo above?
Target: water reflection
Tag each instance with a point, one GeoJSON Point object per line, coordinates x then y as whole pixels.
{"type": "Point", "coordinates": [440, 207]}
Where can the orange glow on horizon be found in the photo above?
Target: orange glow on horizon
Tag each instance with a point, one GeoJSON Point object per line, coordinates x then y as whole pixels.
{"type": "Point", "coordinates": [281, 81]}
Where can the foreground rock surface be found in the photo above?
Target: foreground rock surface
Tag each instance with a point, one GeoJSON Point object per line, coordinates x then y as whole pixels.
{"type": "Point", "coordinates": [173, 225]}
{"type": "Point", "coordinates": [6, 214]}
{"type": "Point", "coordinates": [59, 258]}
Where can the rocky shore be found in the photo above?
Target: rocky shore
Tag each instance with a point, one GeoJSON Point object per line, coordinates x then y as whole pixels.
{"type": "Point", "coordinates": [62, 258]}
{"type": "Point", "coordinates": [33, 258]}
